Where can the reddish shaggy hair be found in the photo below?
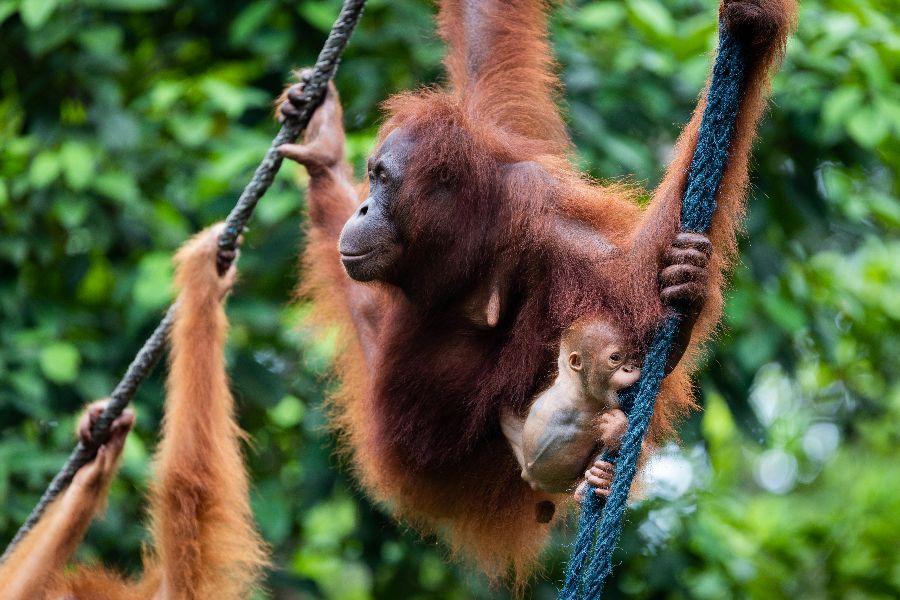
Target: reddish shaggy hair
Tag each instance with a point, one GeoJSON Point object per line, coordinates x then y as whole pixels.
{"type": "Point", "coordinates": [486, 186]}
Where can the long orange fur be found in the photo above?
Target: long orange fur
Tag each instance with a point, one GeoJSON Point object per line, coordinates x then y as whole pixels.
{"type": "Point", "coordinates": [204, 543]}
{"type": "Point", "coordinates": [500, 104]}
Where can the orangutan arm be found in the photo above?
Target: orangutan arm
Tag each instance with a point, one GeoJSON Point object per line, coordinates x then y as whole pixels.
{"type": "Point", "coordinates": [205, 541]}
{"type": "Point", "coordinates": [45, 551]}
{"type": "Point", "coordinates": [333, 198]}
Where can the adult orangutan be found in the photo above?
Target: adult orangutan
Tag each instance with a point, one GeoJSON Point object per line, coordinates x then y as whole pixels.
{"type": "Point", "coordinates": [476, 246]}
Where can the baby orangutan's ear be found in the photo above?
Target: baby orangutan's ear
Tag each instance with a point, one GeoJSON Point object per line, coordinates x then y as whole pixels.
{"type": "Point", "coordinates": [575, 361]}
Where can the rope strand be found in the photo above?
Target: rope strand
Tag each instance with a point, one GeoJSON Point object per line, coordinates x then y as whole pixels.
{"type": "Point", "coordinates": [600, 526]}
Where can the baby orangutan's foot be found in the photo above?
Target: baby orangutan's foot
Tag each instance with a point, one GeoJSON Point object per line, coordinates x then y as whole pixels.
{"type": "Point", "coordinates": [103, 467]}
{"type": "Point", "coordinates": [600, 475]}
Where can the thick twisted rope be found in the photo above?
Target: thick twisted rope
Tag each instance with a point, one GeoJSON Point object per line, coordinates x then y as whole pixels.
{"type": "Point", "coordinates": [150, 353]}
{"type": "Point", "coordinates": [600, 526]}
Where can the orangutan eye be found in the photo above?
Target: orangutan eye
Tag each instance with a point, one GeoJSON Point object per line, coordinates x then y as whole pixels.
{"type": "Point", "coordinates": [615, 357]}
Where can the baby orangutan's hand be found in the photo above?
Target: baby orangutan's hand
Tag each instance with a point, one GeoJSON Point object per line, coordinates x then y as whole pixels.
{"type": "Point", "coordinates": [600, 475]}
{"type": "Point", "coordinates": [612, 426]}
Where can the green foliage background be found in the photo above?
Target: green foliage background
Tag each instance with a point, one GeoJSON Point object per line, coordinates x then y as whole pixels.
{"type": "Point", "coordinates": [125, 125]}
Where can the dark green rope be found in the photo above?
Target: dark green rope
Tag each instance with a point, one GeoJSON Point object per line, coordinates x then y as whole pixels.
{"type": "Point", "coordinates": [600, 526]}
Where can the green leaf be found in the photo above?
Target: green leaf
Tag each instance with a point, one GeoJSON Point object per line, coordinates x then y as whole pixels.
{"type": "Point", "coordinates": [654, 16]}
{"type": "Point", "coordinates": [249, 21]}
{"type": "Point", "coordinates": [288, 412]}
{"type": "Point", "coordinates": [272, 511]}
{"type": "Point", "coordinates": [840, 104]}
{"type": "Point", "coordinates": [224, 96]}
{"type": "Point", "coordinates": [60, 362]}
{"type": "Point", "coordinates": [102, 39]}
{"type": "Point", "coordinates": [36, 12]}
{"type": "Point", "coordinates": [867, 126]}
{"type": "Point", "coordinates": [44, 169]}
{"type": "Point", "coordinates": [600, 16]}
{"type": "Point", "coordinates": [134, 5]}
{"type": "Point", "coordinates": [77, 162]}
{"type": "Point", "coordinates": [320, 15]}
{"type": "Point", "coordinates": [96, 285]}
{"type": "Point", "coordinates": [118, 186]}
{"type": "Point", "coordinates": [153, 288]}
{"type": "Point", "coordinates": [328, 523]}
{"type": "Point", "coordinates": [190, 130]}
{"type": "Point", "coordinates": [71, 211]}
{"type": "Point", "coordinates": [783, 312]}
{"type": "Point", "coordinates": [7, 7]}
{"type": "Point", "coordinates": [165, 93]}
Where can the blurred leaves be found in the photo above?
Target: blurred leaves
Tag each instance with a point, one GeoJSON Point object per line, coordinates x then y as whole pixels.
{"type": "Point", "coordinates": [125, 125]}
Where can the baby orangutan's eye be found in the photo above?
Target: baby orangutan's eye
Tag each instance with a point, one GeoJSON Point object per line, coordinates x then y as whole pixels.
{"type": "Point", "coordinates": [615, 358]}
{"type": "Point", "coordinates": [575, 361]}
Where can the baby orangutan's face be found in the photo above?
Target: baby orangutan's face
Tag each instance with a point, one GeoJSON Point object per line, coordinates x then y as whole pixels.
{"type": "Point", "coordinates": [597, 351]}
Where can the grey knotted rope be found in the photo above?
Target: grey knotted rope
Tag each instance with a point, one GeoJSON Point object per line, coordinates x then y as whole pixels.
{"type": "Point", "coordinates": [150, 353]}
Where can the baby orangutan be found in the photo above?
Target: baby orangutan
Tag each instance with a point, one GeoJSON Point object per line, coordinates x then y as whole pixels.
{"type": "Point", "coordinates": [578, 415]}
{"type": "Point", "coordinates": [204, 544]}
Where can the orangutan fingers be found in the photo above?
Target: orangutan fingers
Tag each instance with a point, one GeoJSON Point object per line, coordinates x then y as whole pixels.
{"type": "Point", "coordinates": [119, 431]}
{"type": "Point", "coordinates": [599, 481]}
{"type": "Point", "coordinates": [685, 256]}
{"type": "Point", "coordinates": [296, 100]}
{"type": "Point", "coordinates": [295, 95]}
{"type": "Point", "coordinates": [682, 293]}
{"type": "Point", "coordinates": [579, 492]}
{"type": "Point", "coordinates": [696, 241]}
{"type": "Point", "coordinates": [88, 418]}
{"type": "Point", "coordinates": [679, 274]}
{"type": "Point", "coordinates": [600, 474]}
{"type": "Point", "coordinates": [287, 109]}
{"type": "Point", "coordinates": [688, 297]}
{"type": "Point", "coordinates": [603, 465]}
{"type": "Point", "coordinates": [305, 154]}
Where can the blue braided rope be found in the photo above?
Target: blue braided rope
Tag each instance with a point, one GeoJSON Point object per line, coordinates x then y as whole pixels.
{"type": "Point", "coordinates": [600, 526]}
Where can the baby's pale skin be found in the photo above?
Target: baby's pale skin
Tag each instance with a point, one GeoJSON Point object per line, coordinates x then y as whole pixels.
{"type": "Point", "coordinates": [579, 415]}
